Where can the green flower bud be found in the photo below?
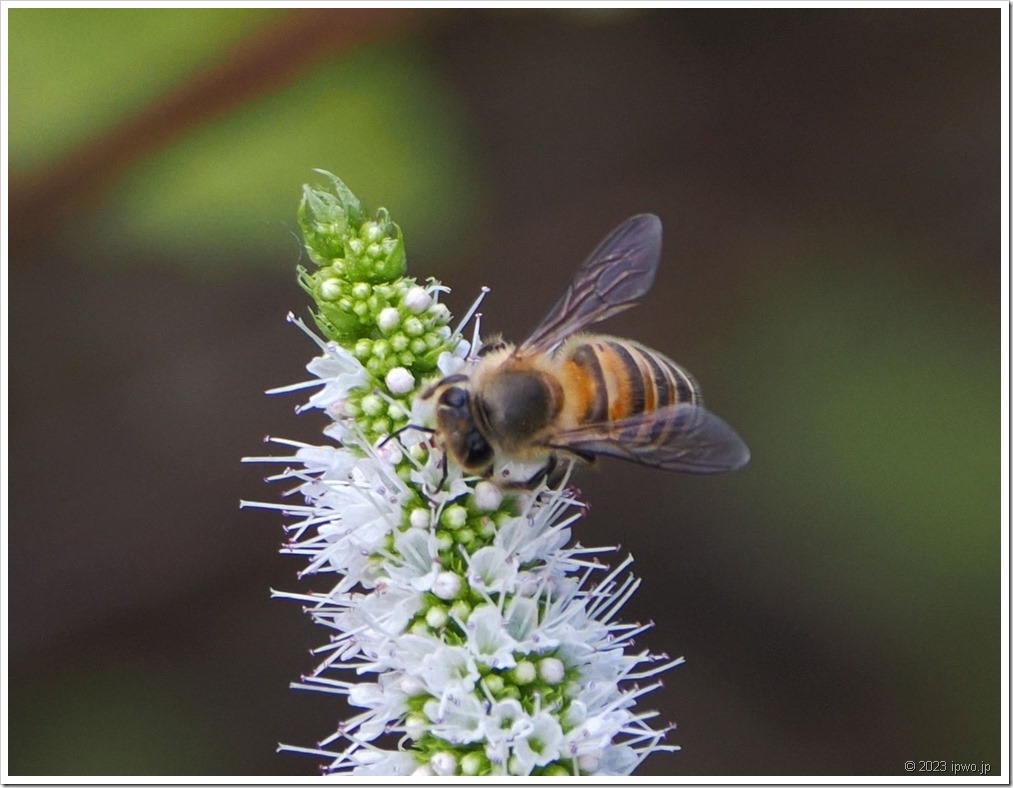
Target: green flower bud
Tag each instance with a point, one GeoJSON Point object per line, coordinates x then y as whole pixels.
{"type": "Point", "coordinates": [454, 516]}
{"type": "Point", "coordinates": [494, 683]}
{"type": "Point", "coordinates": [473, 764]}
{"type": "Point", "coordinates": [372, 405]}
{"type": "Point", "coordinates": [524, 672]}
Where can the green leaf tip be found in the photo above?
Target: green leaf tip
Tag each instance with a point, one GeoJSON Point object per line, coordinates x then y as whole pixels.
{"type": "Point", "coordinates": [360, 262]}
{"type": "Point", "coordinates": [339, 236]}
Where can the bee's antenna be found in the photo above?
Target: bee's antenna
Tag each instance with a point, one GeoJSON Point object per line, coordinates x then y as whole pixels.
{"type": "Point", "coordinates": [471, 311]}
{"type": "Point", "coordinates": [405, 428]}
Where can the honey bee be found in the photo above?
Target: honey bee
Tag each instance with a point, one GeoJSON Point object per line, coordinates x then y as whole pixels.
{"type": "Point", "coordinates": [563, 395]}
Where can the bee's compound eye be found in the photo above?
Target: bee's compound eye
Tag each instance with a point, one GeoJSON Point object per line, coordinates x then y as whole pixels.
{"type": "Point", "coordinates": [454, 397]}
{"type": "Point", "coordinates": [479, 451]}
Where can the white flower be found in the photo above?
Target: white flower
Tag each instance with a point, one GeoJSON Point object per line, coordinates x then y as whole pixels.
{"type": "Point", "coordinates": [539, 745]}
{"type": "Point", "coordinates": [477, 634]}
{"type": "Point", "coordinates": [490, 569]}
{"type": "Point", "coordinates": [340, 372]}
{"type": "Point", "coordinates": [452, 362]}
{"type": "Point", "coordinates": [488, 639]}
{"type": "Point", "coordinates": [506, 721]}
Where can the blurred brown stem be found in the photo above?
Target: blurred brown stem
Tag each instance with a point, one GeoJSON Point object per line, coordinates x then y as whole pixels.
{"type": "Point", "coordinates": [264, 61]}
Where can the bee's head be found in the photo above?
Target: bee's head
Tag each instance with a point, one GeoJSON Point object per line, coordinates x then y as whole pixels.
{"type": "Point", "coordinates": [455, 424]}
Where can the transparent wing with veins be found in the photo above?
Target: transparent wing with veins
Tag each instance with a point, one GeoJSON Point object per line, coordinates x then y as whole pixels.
{"type": "Point", "coordinates": [615, 277]}
{"type": "Point", "coordinates": [683, 438]}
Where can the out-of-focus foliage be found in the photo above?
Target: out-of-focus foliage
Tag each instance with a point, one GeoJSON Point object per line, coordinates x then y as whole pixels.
{"type": "Point", "coordinates": [146, 726]}
{"type": "Point", "coordinates": [222, 194]}
{"type": "Point", "coordinates": [367, 117]}
{"type": "Point", "coordinates": [888, 386]}
{"type": "Point", "coordinates": [75, 71]}
{"type": "Point", "coordinates": [875, 402]}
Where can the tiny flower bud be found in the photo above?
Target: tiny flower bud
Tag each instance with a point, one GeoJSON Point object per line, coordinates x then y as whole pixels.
{"type": "Point", "coordinates": [419, 518]}
{"type": "Point", "coordinates": [388, 319]}
{"type": "Point", "coordinates": [443, 763]}
{"type": "Point", "coordinates": [415, 724]}
{"type": "Point", "coordinates": [413, 327]}
{"type": "Point", "coordinates": [440, 313]}
{"type": "Point", "coordinates": [524, 672]}
{"type": "Point", "coordinates": [494, 683]}
{"type": "Point", "coordinates": [330, 289]}
{"type": "Point", "coordinates": [473, 763]}
{"type": "Point", "coordinates": [423, 771]}
{"type": "Point", "coordinates": [447, 586]}
{"type": "Point", "coordinates": [436, 617]}
{"type": "Point", "coordinates": [588, 763]}
{"type": "Point", "coordinates": [487, 496]}
{"type": "Point", "coordinates": [417, 300]}
{"type": "Point", "coordinates": [454, 516]}
{"type": "Point", "coordinates": [363, 349]}
{"type": "Point", "coordinates": [551, 670]}
{"type": "Point", "coordinates": [360, 291]}
{"type": "Point", "coordinates": [372, 405]}
{"type": "Point", "coordinates": [400, 381]}
{"type": "Point", "coordinates": [420, 628]}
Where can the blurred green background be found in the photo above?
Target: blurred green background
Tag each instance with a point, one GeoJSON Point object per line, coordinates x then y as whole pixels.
{"type": "Point", "coordinates": [829, 183]}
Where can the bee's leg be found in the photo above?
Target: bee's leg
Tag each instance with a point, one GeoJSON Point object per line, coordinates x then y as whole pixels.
{"type": "Point", "coordinates": [443, 476]}
{"type": "Point", "coordinates": [547, 471]}
{"type": "Point", "coordinates": [554, 476]}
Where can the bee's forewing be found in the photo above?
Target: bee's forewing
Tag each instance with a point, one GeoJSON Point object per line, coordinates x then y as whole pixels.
{"type": "Point", "coordinates": [616, 275]}
{"type": "Point", "coordinates": [684, 438]}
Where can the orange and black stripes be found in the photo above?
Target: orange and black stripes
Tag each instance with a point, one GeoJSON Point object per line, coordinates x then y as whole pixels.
{"type": "Point", "coordinates": [621, 378]}
{"type": "Point", "coordinates": [596, 407]}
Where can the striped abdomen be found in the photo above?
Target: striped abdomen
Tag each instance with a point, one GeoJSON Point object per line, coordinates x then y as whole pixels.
{"type": "Point", "coordinates": [609, 379]}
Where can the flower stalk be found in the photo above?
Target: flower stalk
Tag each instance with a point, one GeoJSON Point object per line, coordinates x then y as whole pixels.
{"type": "Point", "coordinates": [482, 641]}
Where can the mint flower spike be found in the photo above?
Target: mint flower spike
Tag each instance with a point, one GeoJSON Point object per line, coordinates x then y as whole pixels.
{"type": "Point", "coordinates": [483, 642]}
